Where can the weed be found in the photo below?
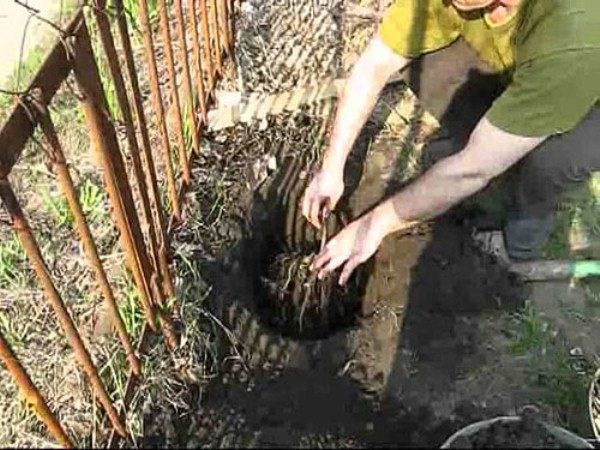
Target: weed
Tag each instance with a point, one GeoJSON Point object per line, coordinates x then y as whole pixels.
{"type": "Point", "coordinates": [114, 373]}
{"type": "Point", "coordinates": [187, 128]}
{"type": "Point", "coordinates": [12, 258]}
{"type": "Point", "coordinates": [165, 200]}
{"type": "Point", "coordinates": [109, 89]}
{"type": "Point", "coordinates": [580, 210]}
{"type": "Point", "coordinates": [562, 380]}
{"type": "Point", "coordinates": [27, 68]}
{"type": "Point", "coordinates": [533, 333]}
{"type": "Point", "coordinates": [91, 198]}
{"type": "Point", "coordinates": [591, 291]}
{"type": "Point", "coordinates": [133, 10]}
{"type": "Point", "coordinates": [9, 330]}
{"type": "Point", "coordinates": [93, 201]}
{"type": "Point", "coordinates": [20, 78]}
{"type": "Point", "coordinates": [57, 207]}
{"type": "Point", "coordinates": [129, 309]}
{"type": "Point", "coordinates": [565, 385]}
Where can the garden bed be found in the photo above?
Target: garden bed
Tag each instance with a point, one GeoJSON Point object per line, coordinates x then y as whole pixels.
{"type": "Point", "coordinates": [423, 346]}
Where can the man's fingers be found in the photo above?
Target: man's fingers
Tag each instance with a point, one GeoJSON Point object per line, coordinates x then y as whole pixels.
{"type": "Point", "coordinates": [333, 264]}
{"type": "Point", "coordinates": [307, 211]}
{"type": "Point", "coordinates": [310, 203]}
{"type": "Point", "coordinates": [321, 259]}
{"type": "Point", "coordinates": [315, 211]}
{"type": "Point", "coordinates": [328, 253]}
{"type": "Point", "coordinates": [350, 266]}
{"type": "Point", "coordinates": [306, 205]}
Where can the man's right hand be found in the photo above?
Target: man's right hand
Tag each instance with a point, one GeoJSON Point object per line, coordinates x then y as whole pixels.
{"type": "Point", "coordinates": [324, 190]}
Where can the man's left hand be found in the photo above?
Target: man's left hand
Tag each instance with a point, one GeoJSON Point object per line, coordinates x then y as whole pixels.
{"type": "Point", "coordinates": [351, 247]}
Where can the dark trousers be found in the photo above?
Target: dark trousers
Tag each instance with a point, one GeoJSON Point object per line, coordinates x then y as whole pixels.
{"type": "Point", "coordinates": [559, 162]}
{"type": "Point", "coordinates": [538, 179]}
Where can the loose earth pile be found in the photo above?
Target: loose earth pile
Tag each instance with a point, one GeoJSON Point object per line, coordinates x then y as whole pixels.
{"type": "Point", "coordinates": [521, 434]}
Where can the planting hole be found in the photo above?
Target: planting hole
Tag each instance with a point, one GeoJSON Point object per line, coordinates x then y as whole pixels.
{"type": "Point", "coordinates": [291, 298]}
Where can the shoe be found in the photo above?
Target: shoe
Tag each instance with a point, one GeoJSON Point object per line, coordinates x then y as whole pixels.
{"type": "Point", "coordinates": [492, 243]}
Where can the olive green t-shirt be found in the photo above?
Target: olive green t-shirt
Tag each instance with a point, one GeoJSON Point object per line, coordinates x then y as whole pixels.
{"type": "Point", "coordinates": [550, 47]}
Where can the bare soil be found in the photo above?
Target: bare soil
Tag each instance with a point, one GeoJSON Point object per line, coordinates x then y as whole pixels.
{"type": "Point", "coordinates": [424, 355]}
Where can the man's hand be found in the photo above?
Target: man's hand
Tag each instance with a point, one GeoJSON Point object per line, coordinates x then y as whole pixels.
{"type": "Point", "coordinates": [354, 245]}
{"type": "Point", "coordinates": [369, 76]}
{"type": "Point", "coordinates": [444, 185]}
{"type": "Point", "coordinates": [324, 190]}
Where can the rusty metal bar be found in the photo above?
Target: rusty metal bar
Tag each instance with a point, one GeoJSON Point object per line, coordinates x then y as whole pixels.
{"type": "Point", "coordinates": [158, 107]}
{"type": "Point", "coordinates": [183, 190]}
{"type": "Point", "coordinates": [110, 50]}
{"type": "Point", "coordinates": [103, 136]}
{"type": "Point", "coordinates": [222, 13]}
{"type": "Point", "coordinates": [198, 61]}
{"type": "Point", "coordinates": [162, 237]}
{"type": "Point", "coordinates": [187, 79]}
{"type": "Point", "coordinates": [32, 395]}
{"type": "Point", "coordinates": [214, 26]}
{"type": "Point", "coordinates": [208, 65]}
{"type": "Point", "coordinates": [21, 227]}
{"type": "Point", "coordinates": [18, 128]}
{"type": "Point", "coordinates": [175, 104]}
{"type": "Point", "coordinates": [230, 25]}
{"type": "Point", "coordinates": [58, 165]}
{"type": "Point", "coordinates": [230, 29]}
{"type": "Point", "coordinates": [132, 381]}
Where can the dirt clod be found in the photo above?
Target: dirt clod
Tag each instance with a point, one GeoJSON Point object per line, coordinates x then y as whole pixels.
{"type": "Point", "coordinates": [518, 434]}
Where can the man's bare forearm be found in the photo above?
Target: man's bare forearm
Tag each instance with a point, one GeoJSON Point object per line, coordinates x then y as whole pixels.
{"type": "Point", "coordinates": [434, 193]}
{"type": "Point", "coordinates": [360, 94]}
{"type": "Point", "coordinates": [489, 153]}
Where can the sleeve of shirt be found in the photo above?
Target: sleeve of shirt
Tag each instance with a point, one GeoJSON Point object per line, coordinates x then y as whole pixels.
{"type": "Point", "coordinates": [414, 27]}
{"type": "Point", "coordinates": [549, 95]}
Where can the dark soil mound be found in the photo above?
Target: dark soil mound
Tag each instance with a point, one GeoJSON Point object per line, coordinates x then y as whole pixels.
{"type": "Point", "coordinates": [511, 434]}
